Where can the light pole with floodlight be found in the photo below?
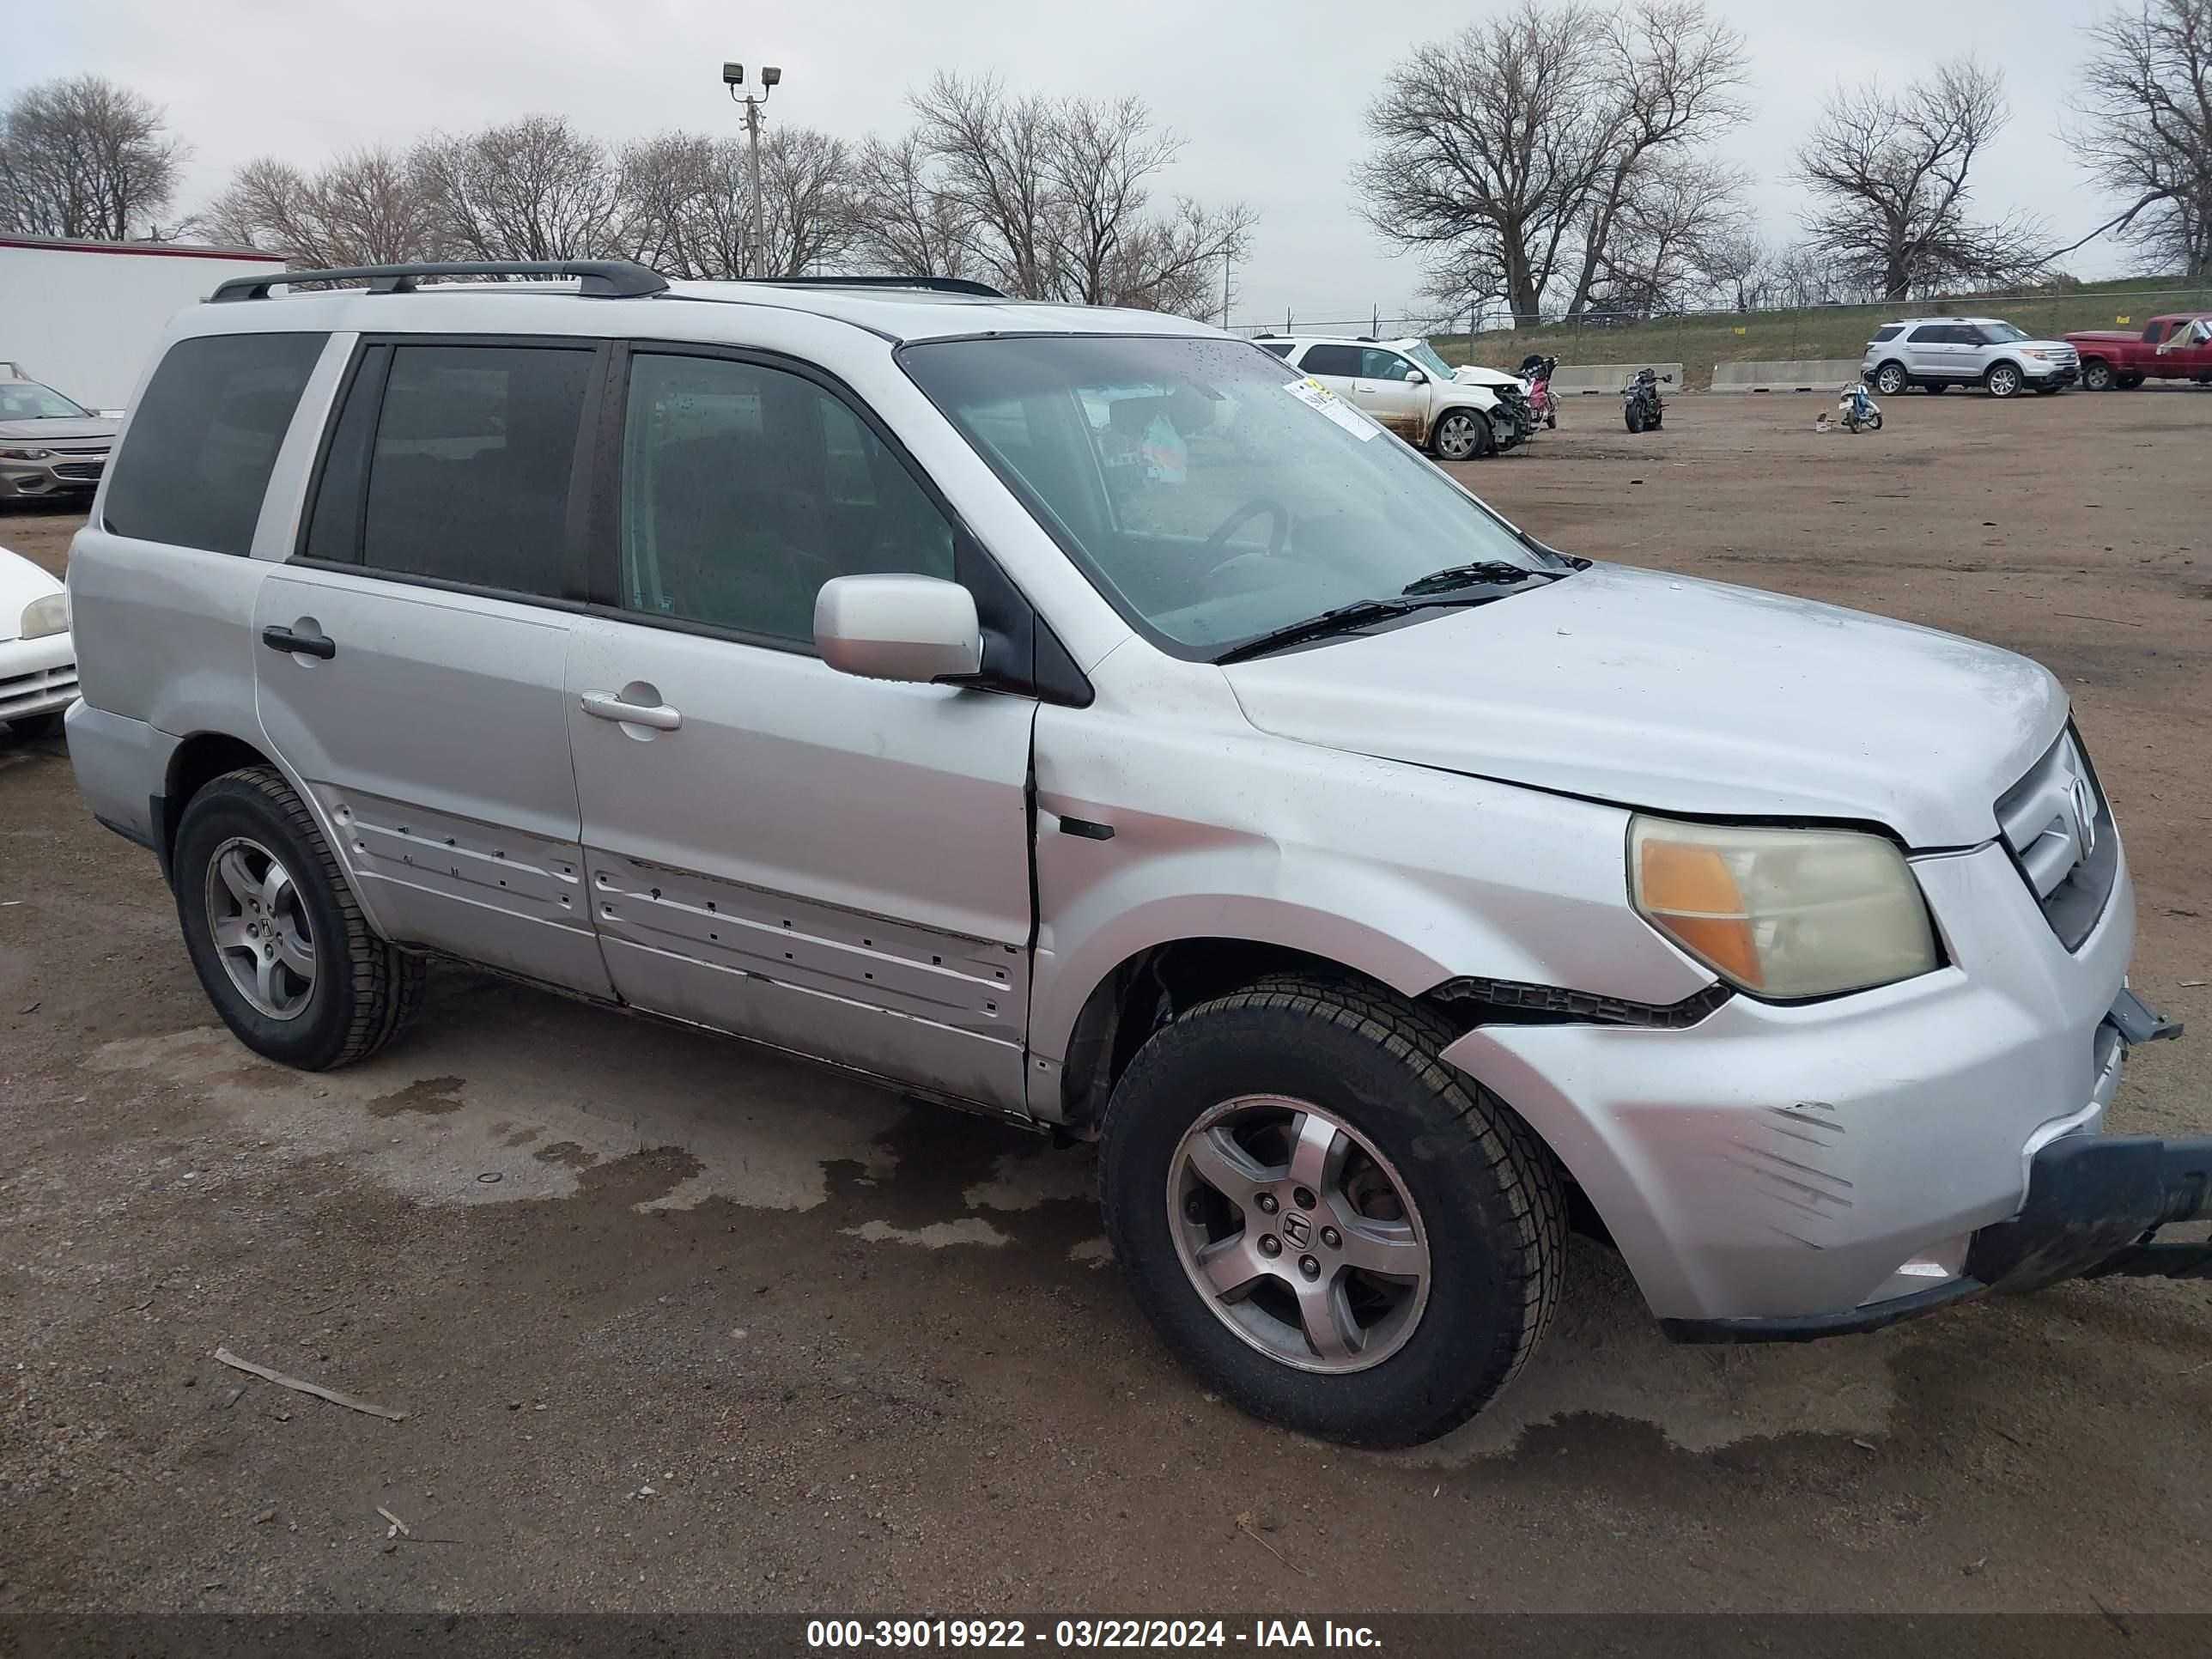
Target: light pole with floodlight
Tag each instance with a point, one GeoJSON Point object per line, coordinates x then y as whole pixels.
{"type": "Point", "coordinates": [733, 77]}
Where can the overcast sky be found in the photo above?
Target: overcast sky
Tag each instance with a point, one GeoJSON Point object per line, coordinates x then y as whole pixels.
{"type": "Point", "coordinates": [1268, 93]}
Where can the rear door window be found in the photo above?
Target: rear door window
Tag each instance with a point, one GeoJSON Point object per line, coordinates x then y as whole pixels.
{"type": "Point", "coordinates": [204, 437]}
{"type": "Point", "coordinates": [1338, 360]}
{"type": "Point", "coordinates": [455, 462]}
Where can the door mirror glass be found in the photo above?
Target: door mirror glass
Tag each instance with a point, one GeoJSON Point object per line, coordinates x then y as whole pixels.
{"type": "Point", "coordinates": [918, 629]}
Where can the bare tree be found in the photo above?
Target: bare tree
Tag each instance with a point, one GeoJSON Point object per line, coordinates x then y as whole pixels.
{"type": "Point", "coordinates": [1509, 153]}
{"type": "Point", "coordinates": [1486, 148]}
{"type": "Point", "coordinates": [533, 189]}
{"type": "Point", "coordinates": [1049, 199]}
{"type": "Point", "coordinates": [1891, 179]}
{"type": "Point", "coordinates": [363, 209]}
{"type": "Point", "coordinates": [84, 157]}
{"type": "Point", "coordinates": [2142, 127]}
{"type": "Point", "coordinates": [1738, 264]}
{"type": "Point", "coordinates": [1672, 75]}
{"type": "Point", "coordinates": [902, 222]}
{"type": "Point", "coordinates": [686, 202]}
{"type": "Point", "coordinates": [1664, 229]}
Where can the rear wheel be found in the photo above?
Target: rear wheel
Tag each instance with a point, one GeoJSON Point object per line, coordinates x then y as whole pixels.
{"type": "Point", "coordinates": [2128, 382]}
{"type": "Point", "coordinates": [2002, 380]}
{"type": "Point", "coordinates": [1324, 1221]}
{"type": "Point", "coordinates": [2097, 376]}
{"type": "Point", "coordinates": [1889, 378]}
{"type": "Point", "coordinates": [1461, 436]}
{"type": "Point", "coordinates": [279, 944]}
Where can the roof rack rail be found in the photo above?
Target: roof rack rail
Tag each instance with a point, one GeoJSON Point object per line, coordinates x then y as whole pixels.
{"type": "Point", "coordinates": [609, 279]}
{"type": "Point", "coordinates": [934, 284]}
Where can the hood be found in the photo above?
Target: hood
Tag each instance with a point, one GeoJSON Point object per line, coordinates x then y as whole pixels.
{"type": "Point", "coordinates": [1681, 696]}
{"type": "Point", "coordinates": [20, 581]}
{"type": "Point", "coordinates": [1475, 374]}
{"type": "Point", "coordinates": [58, 431]}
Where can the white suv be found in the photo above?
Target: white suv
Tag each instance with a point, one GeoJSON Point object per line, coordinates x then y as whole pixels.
{"type": "Point", "coordinates": [1404, 384]}
{"type": "Point", "coordinates": [1937, 353]}
{"type": "Point", "coordinates": [1081, 716]}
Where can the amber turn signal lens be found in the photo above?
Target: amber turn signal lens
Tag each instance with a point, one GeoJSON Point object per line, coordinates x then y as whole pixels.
{"type": "Point", "coordinates": [1689, 891]}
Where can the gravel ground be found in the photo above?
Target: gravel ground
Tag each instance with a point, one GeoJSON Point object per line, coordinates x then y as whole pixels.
{"type": "Point", "coordinates": [676, 1325]}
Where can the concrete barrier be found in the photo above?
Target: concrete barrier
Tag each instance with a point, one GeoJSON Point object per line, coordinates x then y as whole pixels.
{"type": "Point", "coordinates": [1787, 374]}
{"type": "Point", "coordinates": [1587, 378]}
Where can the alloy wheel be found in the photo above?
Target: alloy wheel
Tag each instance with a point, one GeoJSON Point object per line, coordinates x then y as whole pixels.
{"type": "Point", "coordinates": [257, 918]}
{"type": "Point", "coordinates": [1457, 438]}
{"type": "Point", "coordinates": [1299, 1235]}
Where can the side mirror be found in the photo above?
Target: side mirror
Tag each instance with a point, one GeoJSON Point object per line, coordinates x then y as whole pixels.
{"type": "Point", "coordinates": [1415, 377]}
{"type": "Point", "coordinates": [918, 629]}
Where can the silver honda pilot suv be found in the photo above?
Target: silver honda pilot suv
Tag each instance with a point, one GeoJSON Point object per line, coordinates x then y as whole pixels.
{"type": "Point", "coordinates": [1082, 716]}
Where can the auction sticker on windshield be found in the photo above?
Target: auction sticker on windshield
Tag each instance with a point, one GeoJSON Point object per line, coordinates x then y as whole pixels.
{"type": "Point", "coordinates": [1314, 395]}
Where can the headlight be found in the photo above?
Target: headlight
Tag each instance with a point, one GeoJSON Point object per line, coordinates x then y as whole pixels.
{"type": "Point", "coordinates": [2039, 357]}
{"type": "Point", "coordinates": [1783, 912]}
{"type": "Point", "coordinates": [26, 454]}
{"type": "Point", "coordinates": [46, 614]}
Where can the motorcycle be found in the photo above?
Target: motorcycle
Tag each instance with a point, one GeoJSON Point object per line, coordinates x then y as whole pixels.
{"type": "Point", "coordinates": [1857, 409]}
{"type": "Point", "coordinates": [1536, 369]}
{"type": "Point", "coordinates": [1640, 406]}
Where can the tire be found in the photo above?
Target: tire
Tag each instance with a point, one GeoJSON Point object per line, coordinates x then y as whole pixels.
{"type": "Point", "coordinates": [1874, 423]}
{"type": "Point", "coordinates": [1890, 380]}
{"type": "Point", "coordinates": [1934, 388]}
{"type": "Point", "coordinates": [1462, 435]}
{"type": "Point", "coordinates": [37, 728]}
{"type": "Point", "coordinates": [2129, 382]}
{"type": "Point", "coordinates": [356, 992]}
{"type": "Point", "coordinates": [2097, 375]}
{"type": "Point", "coordinates": [1635, 417]}
{"type": "Point", "coordinates": [1473, 1191]}
{"type": "Point", "coordinates": [2003, 381]}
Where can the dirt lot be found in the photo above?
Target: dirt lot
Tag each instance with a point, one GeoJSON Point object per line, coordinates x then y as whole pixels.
{"type": "Point", "coordinates": [679, 1326]}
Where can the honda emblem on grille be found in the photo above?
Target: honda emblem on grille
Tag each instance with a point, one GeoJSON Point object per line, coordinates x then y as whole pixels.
{"type": "Point", "coordinates": [2084, 796]}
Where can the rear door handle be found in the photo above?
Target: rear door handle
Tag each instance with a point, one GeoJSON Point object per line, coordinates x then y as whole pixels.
{"type": "Point", "coordinates": [606, 706]}
{"type": "Point", "coordinates": [279, 638]}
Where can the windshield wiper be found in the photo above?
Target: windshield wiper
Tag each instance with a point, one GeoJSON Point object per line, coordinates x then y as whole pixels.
{"type": "Point", "coordinates": [1345, 619]}
{"type": "Point", "coordinates": [1483, 573]}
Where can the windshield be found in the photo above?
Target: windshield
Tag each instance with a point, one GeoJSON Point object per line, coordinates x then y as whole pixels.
{"type": "Point", "coordinates": [2002, 333]}
{"type": "Point", "coordinates": [1423, 353]}
{"type": "Point", "coordinates": [27, 400]}
{"type": "Point", "coordinates": [1209, 491]}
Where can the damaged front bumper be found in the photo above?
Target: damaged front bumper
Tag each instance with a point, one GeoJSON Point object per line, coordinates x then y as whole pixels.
{"type": "Point", "coordinates": [2095, 1206]}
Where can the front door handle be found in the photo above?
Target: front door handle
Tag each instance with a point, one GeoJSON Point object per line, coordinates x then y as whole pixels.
{"type": "Point", "coordinates": [278, 637]}
{"type": "Point", "coordinates": [607, 706]}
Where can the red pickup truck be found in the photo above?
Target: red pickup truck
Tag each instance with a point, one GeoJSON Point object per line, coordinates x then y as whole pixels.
{"type": "Point", "coordinates": [2176, 347]}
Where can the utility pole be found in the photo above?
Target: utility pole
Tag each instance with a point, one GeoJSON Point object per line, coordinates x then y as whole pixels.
{"type": "Point", "coordinates": [733, 77]}
{"type": "Point", "coordinates": [1224, 287]}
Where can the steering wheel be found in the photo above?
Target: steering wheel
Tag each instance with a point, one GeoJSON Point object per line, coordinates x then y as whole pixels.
{"type": "Point", "coordinates": [1280, 516]}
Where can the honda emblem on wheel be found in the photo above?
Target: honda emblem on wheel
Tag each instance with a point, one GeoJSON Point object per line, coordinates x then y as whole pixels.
{"type": "Point", "coordinates": [1297, 1229]}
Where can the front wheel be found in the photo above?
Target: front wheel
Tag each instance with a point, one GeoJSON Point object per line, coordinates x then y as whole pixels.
{"type": "Point", "coordinates": [1461, 436]}
{"type": "Point", "coordinates": [1889, 378]}
{"type": "Point", "coordinates": [2002, 380]}
{"type": "Point", "coordinates": [1326, 1223]}
{"type": "Point", "coordinates": [279, 943]}
{"type": "Point", "coordinates": [2097, 376]}
{"type": "Point", "coordinates": [1873, 423]}
{"type": "Point", "coordinates": [1636, 417]}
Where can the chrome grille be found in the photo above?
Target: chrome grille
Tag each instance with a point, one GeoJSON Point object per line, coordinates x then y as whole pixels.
{"type": "Point", "coordinates": [2059, 829]}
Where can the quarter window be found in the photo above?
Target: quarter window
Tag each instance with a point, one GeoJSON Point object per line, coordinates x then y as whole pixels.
{"type": "Point", "coordinates": [204, 437]}
{"type": "Point", "coordinates": [745, 488]}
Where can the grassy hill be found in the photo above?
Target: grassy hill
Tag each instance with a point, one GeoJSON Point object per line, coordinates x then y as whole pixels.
{"type": "Point", "coordinates": [1699, 341]}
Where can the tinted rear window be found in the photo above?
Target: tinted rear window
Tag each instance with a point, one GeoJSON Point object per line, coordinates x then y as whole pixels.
{"type": "Point", "coordinates": [1889, 333]}
{"type": "Point", "coordinates": [468, 467]}
{"type": "Point", "coordinates": [1332, 360]}
{"type": "Point", "coordinates": [204, 437]}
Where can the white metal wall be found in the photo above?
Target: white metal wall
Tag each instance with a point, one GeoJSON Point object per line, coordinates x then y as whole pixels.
{"type": "Point", "coordinates": [85, 319]}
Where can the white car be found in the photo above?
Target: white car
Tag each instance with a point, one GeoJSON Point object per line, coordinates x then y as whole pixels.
{"type": "Point", "coordinates": [38, 663]}
{"type": "Point", "coordinates": [1406, 387]}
